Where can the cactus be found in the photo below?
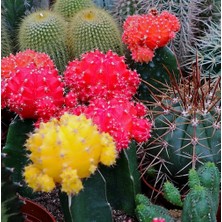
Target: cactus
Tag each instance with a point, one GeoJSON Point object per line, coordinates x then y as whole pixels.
{"type": "Point", "coordinates": [68, 8]}
{"type": "Point", "coordinates": [10, 203]}
{"type": "Point", "coordinates": [199, 203]}
{"type": "Point", "coordinates": [94, 28]}
{"type": "Point", "coordinates": [186, 127]}
{"type": "Point", "coordinates": [121, 9]}
{"type": "Point", "coordinates": [6, 48]}
{"type": "Point", "coordinates": [146, 211]}
{"type": "Point", "coordinates": [198, 206]}
{"type": "Point", "coordinates": [209, 176]}
{"type": "Point", "coordinates": [33, 88]}
{"type": "Point", "coordinates": [45, 31]}
{"type": "Point", "coordinates": [172, 194]}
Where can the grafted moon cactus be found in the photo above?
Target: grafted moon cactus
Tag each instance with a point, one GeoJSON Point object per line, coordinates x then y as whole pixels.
{"type": "Point", "coordinates": [65, 151]}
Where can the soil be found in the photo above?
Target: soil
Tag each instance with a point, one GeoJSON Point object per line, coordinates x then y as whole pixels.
{"type": "Point", "coordinates": [52, 203]}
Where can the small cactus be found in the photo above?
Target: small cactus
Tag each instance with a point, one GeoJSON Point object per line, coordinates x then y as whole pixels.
{"type": "Point", "coordinates": [32, 88]}
{"type": "Point", "coordinates": [93, 28]}
{"type": "Point", "coordinates": [68, 8]}
{"type": "Point", "coordinates": [100, 75]}
{"type": "Point", "coordinates": [144, 33]}
{"type": "Point", "coordinates": [66, 142]}
{"type": "Point", "coordinates": [198, 206]}
{"type": "Point", "coordinates": [45, 31]}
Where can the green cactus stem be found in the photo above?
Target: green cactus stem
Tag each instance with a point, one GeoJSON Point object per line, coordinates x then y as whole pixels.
{"type": "Point", "coordinates": [198, 206]}
{"type": "Point", "coordinates": [90, 204]}
{"type": "Point", "coordinates": [172, 194]}
{"type": "Point", "coordinates": [94, 28]}
{"type": "Point", "coordinates": [68, 8]}
{"type": "Point", "coordinates": [123, 179]}
{"type": "Point", "coordinates": [6, 48]}
{"type": "Point", "coordinates": [45, 31]}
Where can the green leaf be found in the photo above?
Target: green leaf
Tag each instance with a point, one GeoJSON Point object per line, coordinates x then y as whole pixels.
{"type": "Point", "coordinates": [90, 205]}
{"type": "Point", "coordinates": [123, 182]}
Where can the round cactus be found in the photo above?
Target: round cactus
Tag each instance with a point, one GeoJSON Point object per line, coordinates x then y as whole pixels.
{"type": "Point", "coordinates": [100, 74]}
{"type": "Point", "coordinates": [186, 127]}
{"type": "Point", "coordinates": [144, 33]}
{"type": "Point", "coordinates": [65, 151]}
{"type": "Point", "coordinates": [94, 28]}
{"type": "Point", "coordinates": [68, 8]}
{"type": "Point", "coordinates": [122, 119]}
{"type": "Point", "coordinates": [45, 31]}
{"type": "Point", "coordinates": [31, 88]}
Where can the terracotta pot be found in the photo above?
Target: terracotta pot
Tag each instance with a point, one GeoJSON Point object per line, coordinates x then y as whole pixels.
{"type": "Point", "coordinates": [34, 212]}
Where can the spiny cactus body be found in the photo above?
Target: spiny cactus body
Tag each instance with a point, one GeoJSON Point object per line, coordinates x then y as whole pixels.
{"type": "Point", "coordinates": [94, 28]}
{"type": "Point", "coordinates": [198, 206]}
{"type": "Point", "coordinates": [32, 88]}
{"type": "Point", "coordinates": [68, 8]}
{"type": "Point", "coordinates": [6, 48]}
{"type": "Point", "coordinates": [145, 33]}
{"type": "Point", "coordinates": [65, 151]}
{"type": "Point", "coordinates": [186, 126]}
{"type": "Point", "coordinates": [146, 211]}
{"type": "Point", "coordinates": [45, 31]}
{"type": "Point", "coordinates": [101, 75]}
{"type": "Point", "coordinates": [121, 9]}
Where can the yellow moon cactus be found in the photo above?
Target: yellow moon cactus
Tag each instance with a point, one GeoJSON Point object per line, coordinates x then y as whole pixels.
{"type": "Point", "coordinates": [65, 151]}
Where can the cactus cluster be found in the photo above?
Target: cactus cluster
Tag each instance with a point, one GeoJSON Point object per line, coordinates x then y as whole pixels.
{"type": "Point", "coordinates": [93, 28]}
{"type": "Point", "coordinates": [66, 142]}
{"type": "Point", "coordinates": [32, 86]}
{"type": "Point", "coordinates": [45, 31]}
{"type": "Point", "coordinates": [145, 33]}
{"type": "Point", "coordinates": [200, 204]}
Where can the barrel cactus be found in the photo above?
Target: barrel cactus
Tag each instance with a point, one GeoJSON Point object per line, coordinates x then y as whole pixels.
{"type": "Point", "coordinates": [94, 28]}
{"type": "Point", "coordinates": [68, 8]}
{"type": "Point", "coordinates": [186, 127]}
{"type": "Point", "coordinates": [45, 31]}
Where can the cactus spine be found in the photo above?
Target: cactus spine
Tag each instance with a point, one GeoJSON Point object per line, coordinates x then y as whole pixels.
{"type": "Point", "coordinates": [94, 28]}
{"type": "Point", "coordinates": [68, 8]}
{"type": "Point", "coordinates": [45, 31]}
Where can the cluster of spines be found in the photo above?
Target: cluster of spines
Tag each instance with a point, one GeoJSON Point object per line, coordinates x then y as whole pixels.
{"type": "Point", "coordinates": [94, 28]}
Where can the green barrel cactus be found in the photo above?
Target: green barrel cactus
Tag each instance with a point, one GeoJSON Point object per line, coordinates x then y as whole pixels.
{"type": "Point", "coordinates": [186, 127]}
{"type": "Point", "coordinates": [45, 31]}
{"type": "Point", "coordinates": [94, 28]}
{"type": "Point", "coordinates": [68, 8]}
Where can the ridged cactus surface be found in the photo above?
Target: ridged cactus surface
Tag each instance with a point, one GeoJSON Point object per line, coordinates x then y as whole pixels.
{"type": "Point", "coordinates": [6, 48]}
{"type": "Point", "coordinates": [94, 28]}
{"type": "Point", "coordinates": [45, 31]}
{"type": "Point", "coordinates": [68, 8]}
